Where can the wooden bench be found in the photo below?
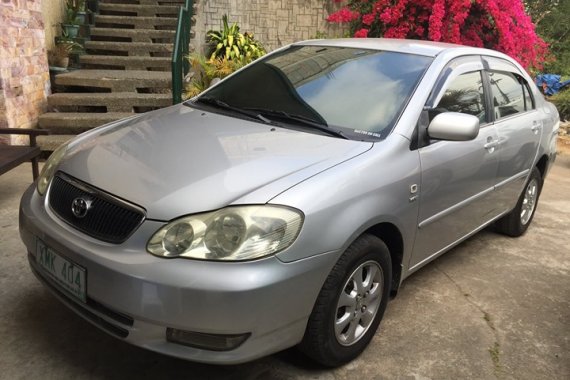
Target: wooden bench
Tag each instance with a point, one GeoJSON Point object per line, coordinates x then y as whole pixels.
{"type": "Point", "coordinates": [13, 155]}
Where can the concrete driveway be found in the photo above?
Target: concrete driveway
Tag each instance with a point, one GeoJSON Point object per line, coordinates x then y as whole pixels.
{"type": "Point", "coordinates": [494, 307]}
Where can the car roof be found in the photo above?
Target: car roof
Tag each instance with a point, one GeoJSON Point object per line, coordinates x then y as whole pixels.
{"type": "Point", "coordinates": [427, 48]}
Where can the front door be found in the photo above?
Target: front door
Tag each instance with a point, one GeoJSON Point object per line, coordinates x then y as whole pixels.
{"type": "Point", "coordinates": [458, 177]}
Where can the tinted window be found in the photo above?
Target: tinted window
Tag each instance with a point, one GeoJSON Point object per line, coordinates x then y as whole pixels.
{"type": "Point", "coordinates": [507, 94]}
{"type": "Point", "coordinates": [465, 95]}
{"type": "Point", "coordinates": [360, 91]}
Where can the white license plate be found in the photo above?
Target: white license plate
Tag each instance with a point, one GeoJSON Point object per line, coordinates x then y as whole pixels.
{"type": "Point", "coordinates": [69, 276]}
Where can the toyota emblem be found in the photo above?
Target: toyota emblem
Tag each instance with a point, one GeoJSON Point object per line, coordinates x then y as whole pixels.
{"type": "Point", "coordinates": [80, 207]}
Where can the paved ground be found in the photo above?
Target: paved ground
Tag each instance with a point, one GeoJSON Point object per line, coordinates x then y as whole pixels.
{"type": "Point", "coordinates": [494, 307]}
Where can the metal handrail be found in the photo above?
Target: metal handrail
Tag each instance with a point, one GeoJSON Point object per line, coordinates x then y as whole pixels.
{"type": "Point", "coordinates": [180, 65]}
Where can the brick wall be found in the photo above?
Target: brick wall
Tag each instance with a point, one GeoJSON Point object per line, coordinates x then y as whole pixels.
{"type": "Point", "coordinates": [273, 22]}
{"type": "Point", "coordinates": [24, 73]}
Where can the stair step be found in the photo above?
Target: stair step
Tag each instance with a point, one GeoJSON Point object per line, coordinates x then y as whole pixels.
{"type": "Point", "coordinates": [137, 22]}
{"type": "Point", "coordinates": [68, 123]}
{"type": "Point", "coordinates": [115, 102]}
{"type": "Point", "coordinates": [141, 10]}
{"type": "Point", "coordinates": [136, 35]}
{"type": "Point", "coordinates": [116, 80]}
{"type": "Point", "coordinates": [133, 48]}
{"type": "Point", "coordinates": [128, 63]}
{"type": "Point", "coordinates": [50, 143]}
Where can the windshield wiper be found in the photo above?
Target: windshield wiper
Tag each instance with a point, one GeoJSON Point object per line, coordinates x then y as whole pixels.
{"type": "Point", "coordinates": [223, 105]}
{"type": "Point", "coordinates": [299, 120]}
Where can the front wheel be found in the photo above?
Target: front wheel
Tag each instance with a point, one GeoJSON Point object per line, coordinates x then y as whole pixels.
{"type": "Point", "coordinates": [351, 303]}
{"type": "Point", "coordinates": [517, 221]}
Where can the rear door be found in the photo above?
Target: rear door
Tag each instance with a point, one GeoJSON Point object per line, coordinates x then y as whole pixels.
{"type": "Point", "coordinates": [519, 127]}
{"type": "Point", "coordinates": [458, 177]}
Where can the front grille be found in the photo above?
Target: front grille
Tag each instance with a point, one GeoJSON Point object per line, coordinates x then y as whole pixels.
{"type": "Point", "coordinates": [108, 218]}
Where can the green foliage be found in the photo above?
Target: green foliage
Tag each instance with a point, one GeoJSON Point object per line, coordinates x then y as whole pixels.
{"type": "Point", "coordinates": [231, 44]}
{"type": "Point", "coordinates": [538, 9]}
{"type": "Point", "coordinates": [562, 102]}
{"type": "Point", "coordinates": [59, 55]}
{"type": "Point", "coordinates": [320, 35]}
{"type": "Point", "coordinates": [554, 27]}
{"type": "Point", "coordinates": [68, 45]}
{"type": "Point", "coordinates": [72, 7]}
{"type": "Point", "coordinates": [70, 16]}
{"type": "Point", "coordinates": [324, 35]}
{"type": "Point", "coordinates": [206, 70]}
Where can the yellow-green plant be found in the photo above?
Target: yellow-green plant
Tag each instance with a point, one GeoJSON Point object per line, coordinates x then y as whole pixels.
{"type": "Point", "coordinates": [562, 102]}
{"type": "Point", "coordinates": [205, 70]}
{"type": "Point", "coordinates": [231, 44]}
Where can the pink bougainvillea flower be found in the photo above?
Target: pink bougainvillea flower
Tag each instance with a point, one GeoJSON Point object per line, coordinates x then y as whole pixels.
{"type": "Point", "coordinates": [368, 19]}
{"type": "Point", "coordinates": [361, 33]}
{"type": "Point", "coordinates": [343, 15]}
{"type": "Point", "coordinates": [496, 24]}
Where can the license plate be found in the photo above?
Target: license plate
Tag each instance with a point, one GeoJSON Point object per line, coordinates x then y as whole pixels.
{"type": "Point", "coordinates": [69, 276]}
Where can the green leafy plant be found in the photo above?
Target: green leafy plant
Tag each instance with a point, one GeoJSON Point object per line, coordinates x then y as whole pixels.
{"type": "Point", "coordinates": [205, 70]}
{"type": "Point", "coordinates": [231, 44]}
{"type": "Point", "coordinates": [59, 55]}
{"type": "Point", "coordinates": [72, 8]}
{"type": "Point", "coordinates": [562, 102]}
{"type": "Point", "coordinates": [324, 35]}
{"type": "Point", "coordinates": [551, 19]}
{"type": "Point", "coordinates": [70, 16]}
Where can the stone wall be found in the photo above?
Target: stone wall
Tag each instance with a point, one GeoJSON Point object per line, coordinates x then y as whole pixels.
{"type": "Point", "coordinates": [24, 73]}
{"type": "Point", "coordinates": [273, 22]}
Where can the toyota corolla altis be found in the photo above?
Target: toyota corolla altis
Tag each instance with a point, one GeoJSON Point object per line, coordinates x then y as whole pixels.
{"type": "Point", "coordinates": [284, 205]}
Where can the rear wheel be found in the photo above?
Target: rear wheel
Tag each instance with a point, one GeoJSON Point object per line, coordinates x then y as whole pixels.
{"type": "Point", "coordinates": [517, 221]}
{"type": "Point", "coordinates": [351, 303]}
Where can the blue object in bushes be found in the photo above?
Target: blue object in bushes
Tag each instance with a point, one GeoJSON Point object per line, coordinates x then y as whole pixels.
{"type": "Point", "coordinates": [550, 83]}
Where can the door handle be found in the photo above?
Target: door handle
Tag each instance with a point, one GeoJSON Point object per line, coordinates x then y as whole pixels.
{"type": "Point", "coordinates": [491, 144]}
{"type": "Point", "coordinates": [535, 127]}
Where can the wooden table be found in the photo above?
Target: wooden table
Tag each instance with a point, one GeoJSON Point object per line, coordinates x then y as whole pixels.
{"type": "Point", "coordinates": [14, 155]}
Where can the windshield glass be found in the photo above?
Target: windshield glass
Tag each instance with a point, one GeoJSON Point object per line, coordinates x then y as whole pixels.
{"type": "Point", "coordinates": [357, 91]}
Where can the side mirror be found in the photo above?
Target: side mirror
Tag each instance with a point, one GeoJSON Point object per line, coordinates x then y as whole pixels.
{"type": "Point", "coordinates": [454, 126]}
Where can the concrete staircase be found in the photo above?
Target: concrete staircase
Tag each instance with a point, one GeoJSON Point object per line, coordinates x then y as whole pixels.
{"type": "Point", "coordinates": [126, 69]}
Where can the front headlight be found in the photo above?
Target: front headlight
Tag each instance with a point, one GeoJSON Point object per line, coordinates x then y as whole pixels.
{"type": "Point", "coordinates": [49, 169]}
{"type": "Point", "coordinates": [233, 233]}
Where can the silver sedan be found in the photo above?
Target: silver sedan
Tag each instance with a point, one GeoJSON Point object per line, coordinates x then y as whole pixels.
{"type": "Point", "coordinates": [284, 205]}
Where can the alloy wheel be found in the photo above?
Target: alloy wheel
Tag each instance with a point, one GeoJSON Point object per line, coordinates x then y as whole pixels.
{"type": "Point", "coordinates": [358, 303]}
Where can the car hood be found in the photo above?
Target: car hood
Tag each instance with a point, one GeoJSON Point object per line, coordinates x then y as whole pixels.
{"type": "Point", "coordinates": [181, 160]}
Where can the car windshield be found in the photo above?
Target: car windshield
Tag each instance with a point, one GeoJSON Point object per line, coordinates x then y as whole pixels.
{"type": "Point", "coordinates": [357, 93]}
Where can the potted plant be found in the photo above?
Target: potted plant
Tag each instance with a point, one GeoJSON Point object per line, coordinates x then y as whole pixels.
{"type": "Point", "coordinates": [59, 55]}
{"type": "Point", "coordinates": [81, 16]}
{"type": "Point", "coordinates": [70, 26]}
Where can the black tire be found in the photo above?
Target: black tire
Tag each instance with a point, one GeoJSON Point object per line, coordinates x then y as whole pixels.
{"type": "Point", "coordinates": [516, 223]}
{"type": "Point", "coordinates": [321, 342]}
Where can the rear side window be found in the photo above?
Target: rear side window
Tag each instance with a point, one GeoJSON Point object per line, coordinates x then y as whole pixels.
{"type": "Point", "coordinates": [528, 101]}
{"type": "Point", "coordinates": [464, 95]}
{"type": "Point", "coordinates": [507, 94]}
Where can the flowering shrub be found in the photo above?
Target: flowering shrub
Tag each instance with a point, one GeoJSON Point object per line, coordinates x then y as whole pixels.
{"type": "Point", "coordinates": [496, 24]}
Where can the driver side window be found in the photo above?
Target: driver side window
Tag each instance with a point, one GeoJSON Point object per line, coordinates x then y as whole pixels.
{"type": "Point", "coordinates": [464, 95]}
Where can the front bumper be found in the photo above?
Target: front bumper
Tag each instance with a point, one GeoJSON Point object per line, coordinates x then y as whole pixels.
{"type": "Point", "coordinates": [136, 296]}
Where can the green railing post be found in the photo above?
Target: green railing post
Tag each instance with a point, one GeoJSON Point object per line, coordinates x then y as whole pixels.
{"type": "Point", "coordinates": [180, 65]}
